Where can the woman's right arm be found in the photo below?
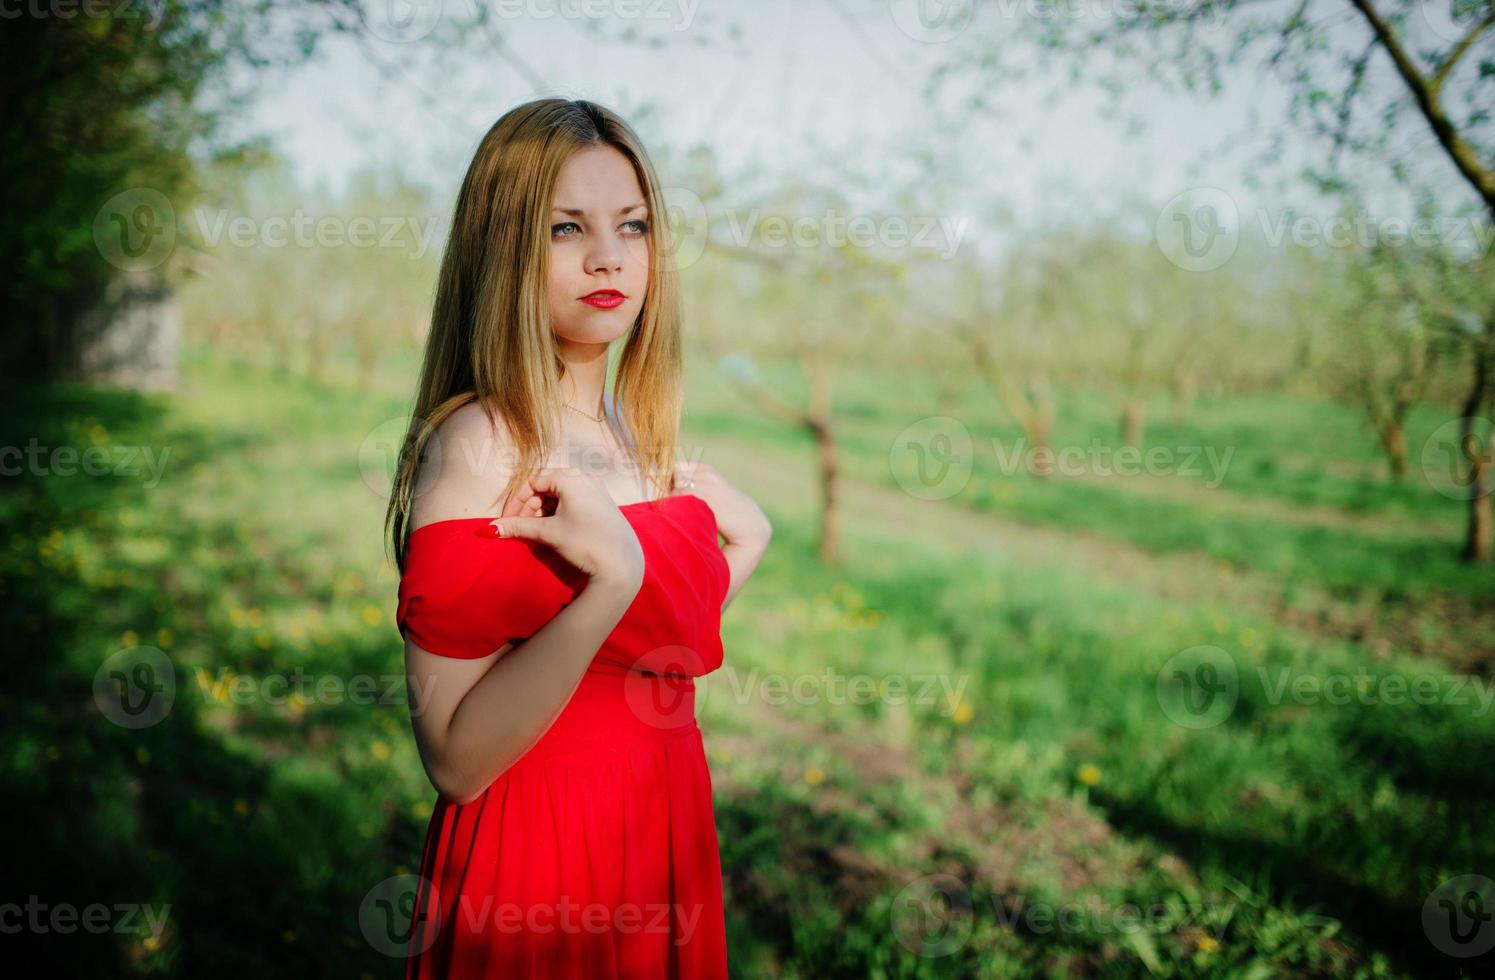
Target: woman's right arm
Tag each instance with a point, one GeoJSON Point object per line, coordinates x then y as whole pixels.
{"type": "Point", "coordinates": [475, 718]}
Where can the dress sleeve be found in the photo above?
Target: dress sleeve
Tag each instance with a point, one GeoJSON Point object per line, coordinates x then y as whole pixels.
{"type": "Point", "coordinates": [465, 596]}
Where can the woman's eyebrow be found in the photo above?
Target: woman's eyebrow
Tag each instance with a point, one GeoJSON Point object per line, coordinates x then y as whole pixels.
{"type": "Point", "coordinates": [579, 212]}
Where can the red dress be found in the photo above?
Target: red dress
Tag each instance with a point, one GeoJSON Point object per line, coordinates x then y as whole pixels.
{"type": "Point", "coordinates": [595, 854]}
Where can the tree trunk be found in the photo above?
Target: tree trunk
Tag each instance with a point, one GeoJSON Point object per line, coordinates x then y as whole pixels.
{"type": "Point", "coordinates": [1477, 540]}
{"type": "Point", "coordinates": [818, 421]}
{"type": "Point", "coordinates": [315, 343]}
{"type": "Point", "coordinates": [1040, 426]}
{"type": "Point", "coordinates": [1133, 418]}
{"type": "Point", "coordinates": [1185, 384]}
{"type": "Point", "coordinates": [1394, 441]}
{"type": "Point", "coordinates": [368, 358]}
{"type": "Point", "coordinates": [830, 514]}
{"type": "Point", "coordinates": [1043, 454]}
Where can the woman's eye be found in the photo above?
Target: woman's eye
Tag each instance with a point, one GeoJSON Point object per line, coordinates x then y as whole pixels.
{"type": "Point", "coordinates": [643, 226]}
{"type": "Point", "coordinates": [555, 229]}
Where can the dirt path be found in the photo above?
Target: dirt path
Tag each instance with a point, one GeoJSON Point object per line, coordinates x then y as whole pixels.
{"type": "Point", "coordinates": [1455, 633]}
{"type": "Point", "coordinates": [1222, 501]}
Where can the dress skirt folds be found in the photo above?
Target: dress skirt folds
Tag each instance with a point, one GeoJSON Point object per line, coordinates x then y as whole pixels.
{"type": "Point", "coordinates": [595, 854]}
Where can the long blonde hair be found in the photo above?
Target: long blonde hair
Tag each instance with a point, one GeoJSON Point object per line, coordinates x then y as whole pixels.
{"type": "Point", "coordinates": [491, 339]}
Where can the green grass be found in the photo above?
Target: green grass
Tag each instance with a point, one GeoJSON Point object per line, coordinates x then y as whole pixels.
{"type": "Point", "coordinates": [1293, 837]}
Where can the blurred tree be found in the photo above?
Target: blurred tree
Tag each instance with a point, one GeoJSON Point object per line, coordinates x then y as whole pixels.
{"type": "Point", "coordinates": [1357, 76]}
{"type": "Point", "coordinates": [828, 279]}
{"type": "Point", "coordinates": [106, 113]}
{"type": "Point", "coordinates": [327, 275]}
{"type": "Point", "coordinates": [1010, 341]}
{"type": "Point", "coordinates": [1392, 345]}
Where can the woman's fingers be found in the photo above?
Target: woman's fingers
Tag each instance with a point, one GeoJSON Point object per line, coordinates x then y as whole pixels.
{"type": "Point", "coordinates": [527, 500]}
{"type": "Point", "coordinates": [529, 528]}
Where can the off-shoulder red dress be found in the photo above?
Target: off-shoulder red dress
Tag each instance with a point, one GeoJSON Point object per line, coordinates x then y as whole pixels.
{"type": "Point", "coordinates": [595, 855]}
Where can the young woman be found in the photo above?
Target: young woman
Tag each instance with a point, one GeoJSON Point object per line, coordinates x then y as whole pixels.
{"type": "Point", "coordinates": [562, 580]}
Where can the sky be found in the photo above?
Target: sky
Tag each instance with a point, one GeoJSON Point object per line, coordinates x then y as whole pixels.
{"type": "Point", "coordinates": [788, 87]}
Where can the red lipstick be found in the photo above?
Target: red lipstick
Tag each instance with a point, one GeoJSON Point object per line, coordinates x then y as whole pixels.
{"type": "Point", "coordinates": [604, 299]}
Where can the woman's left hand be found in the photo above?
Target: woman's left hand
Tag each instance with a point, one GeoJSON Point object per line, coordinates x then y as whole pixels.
{"type": "Point", "coordinates": [738, 518]}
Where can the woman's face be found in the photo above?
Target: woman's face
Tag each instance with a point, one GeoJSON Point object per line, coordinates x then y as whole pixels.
{"type": "Point", "coordinates": [599, 241]}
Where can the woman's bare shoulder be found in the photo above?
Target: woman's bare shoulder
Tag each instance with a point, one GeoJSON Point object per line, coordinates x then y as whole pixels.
{"type": "Point", "coordinates": [468, 461]}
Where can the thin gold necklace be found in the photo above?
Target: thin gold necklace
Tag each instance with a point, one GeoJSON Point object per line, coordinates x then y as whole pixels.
{"type": "Point", "coordinates": [594, 418]}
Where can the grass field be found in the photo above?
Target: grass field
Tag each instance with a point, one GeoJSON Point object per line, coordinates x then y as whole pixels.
{"type": "Point", "coordinates": [968, 749]}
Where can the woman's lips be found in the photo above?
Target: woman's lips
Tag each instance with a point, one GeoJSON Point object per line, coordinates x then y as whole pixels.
{"type": "Point", "coordinates": [604, 300]}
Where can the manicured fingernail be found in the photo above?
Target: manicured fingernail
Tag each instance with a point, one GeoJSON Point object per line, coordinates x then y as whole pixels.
{"type": "Point", "coordinates": [490, 531]}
